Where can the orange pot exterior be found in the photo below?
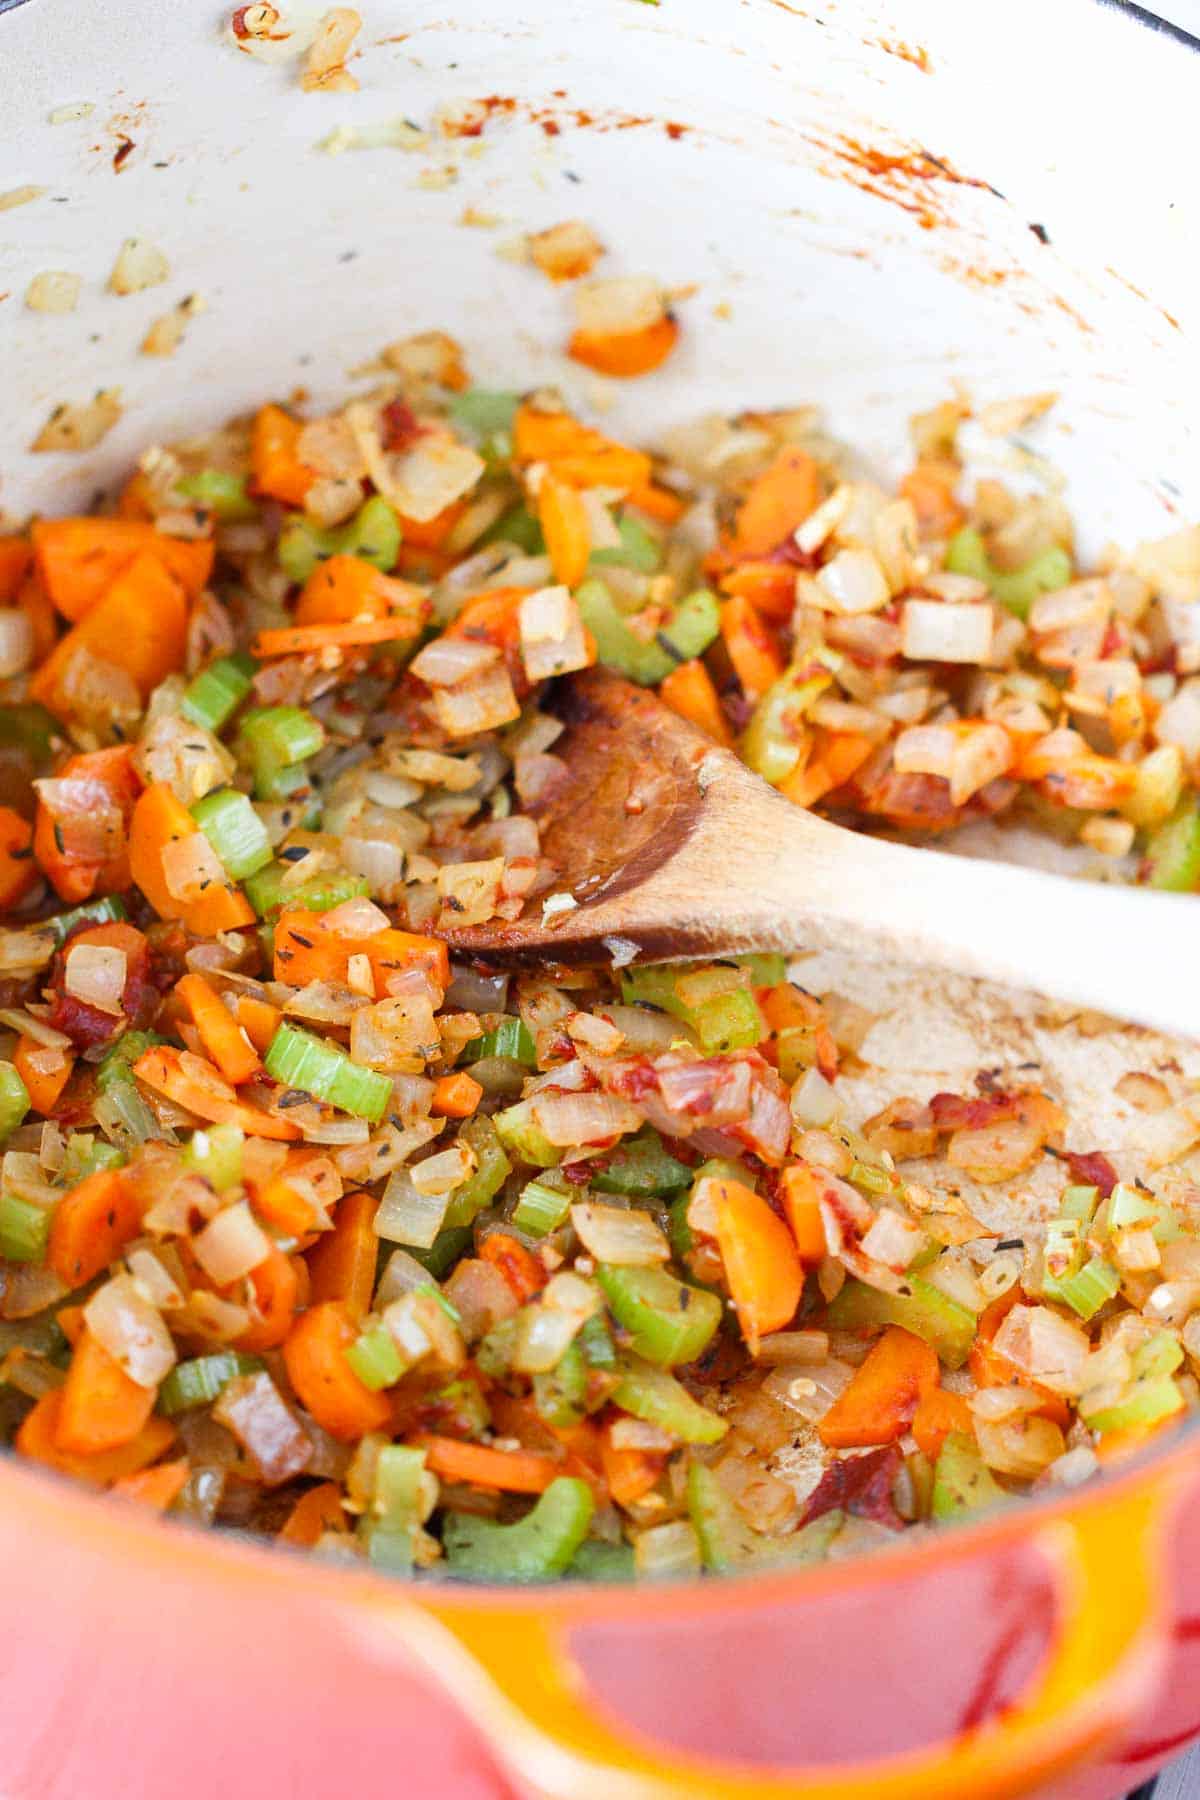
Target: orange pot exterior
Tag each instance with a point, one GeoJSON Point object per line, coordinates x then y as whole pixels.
{"type": "Point", "coordinates": [1055, 1650]}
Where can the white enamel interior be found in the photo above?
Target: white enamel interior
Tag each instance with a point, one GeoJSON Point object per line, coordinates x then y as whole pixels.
{"type": "Point", "coordinates": [1079, 115]}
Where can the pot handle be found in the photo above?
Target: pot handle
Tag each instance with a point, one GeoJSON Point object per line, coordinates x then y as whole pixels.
{"type": "Point", "coordinates": [510, 1669]}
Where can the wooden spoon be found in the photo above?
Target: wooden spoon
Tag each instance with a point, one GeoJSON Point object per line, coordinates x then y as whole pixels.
{"type": "Point", "coordinates": [672, 846]}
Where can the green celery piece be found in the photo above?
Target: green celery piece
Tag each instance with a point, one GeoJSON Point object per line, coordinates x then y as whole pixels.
{"type": "Point", "coordinates": [653, 984]}
{"type": "Point", "coordinates": [771, 741]}
{"type": "Point", "coordinates": [87, 1155]}
{"type": "Point", "coordinates": [1063, 1245]}
{"type": "Point", "coordinates": [727, 1542]}
{"type": "Point", "coordinates": [559, 1393]}
{"type": "Point", "coordinates": [14, 1100]}
{"type": "Point", "coordinates": [679, 1233]}
{"type": "Point", "coordinates": [235, 831]}
{"type": "Point", "coordinates": [220, 493]}
{"type": "Point", "coordinates": [962, 1482]}
{"type": "Point", "coordinates": [966, 554]}
{"type": "Point", "coordinates": [276, 738]}
{"type": "Point", "coordinates": [1078, 1203]}
{"type": "Point", "coordinates": [598, 1561]}
{"type": "Point", "coordinates": [216, 1154]}
{"type": "Point", "coordinates": [668, 1321]}
{"type": "Point", "coordinates": [523, 1139]}
{"type": "Point", "coordinates": [1129, 1206]}
{"type": "Point", "coordinates": [639, 549]}
{"type": "Point", "coordinates": [389, 1534]}
{"type": "Point", "coordinates": [616, 645]}
{"type": "Point", "coordinates": [652, 1394]}
{"type": "Point", "coordinates": [1173, 851]}
{"type": "Point", "coordinates": [511, 1038]}
{"type": "Point", "coordinates": [724, 1168]}
{"type": "Point", "coordinates": [200, 1380]}
{"type": "Point", "coordinates": [923, 1309]}
{"type": "Point", "coordinates": [495, 1350]}
{"type": "Point", "coordinates": [117, 1064]}
{"type": "Point", "coordinates": [24, 1229]}
{"type": "Point", "coordinates": [595, 1341]}
{"type": "Point", "coordinates": [213, 696]}
{"type": "Point", "coordinates": [543, 1205]}
{"type": "Point", "coordinates": [692, 627]}
{"type": "Point", "coordinates": [641, 1166]}
{"type": "Point", "coordinates": [517, 526]}
{"type": "Point", "coordinates": [727, 1022]}
{"type": "Point", "coordinates": [93, 912]}
{"type": "Point", "coordinates": [375, 1358]}
{"type": "Point", "coordinates": [302, 545]}
{"type": "Point", "coordinates": [766, 968]}
{"type": "Point", "coordinates": [1160, 1354]}
{"type": "Point", "coordinates": [1085, 1291]}
{"type": "Point", "coordinates": [492, 1168]}
{"type": "Point", "coordinates": [484, 410]}
{"type": "Point", "coordinates": [373, 534]}
{"type": "Point", "coordinates": [266, 893]}
{"type": "Point", "coordinates": [1150, 1399]}
{"type": "Point", "coordinates": [541, 1544]}
{"type": "Point", "coordinates": [451, 1243]}
{"type": "Point", "coordinates": [311, 1064]}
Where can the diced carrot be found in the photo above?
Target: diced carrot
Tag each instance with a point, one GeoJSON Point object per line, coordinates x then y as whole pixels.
{"type": "Point", "coordinates": [139, 627]}
{"type": "Point", "coordinates": [341, 589]}
{"type": "Point", "coordinates": [688, 690]}
{"type": "Point", "coordinates": [315, 1512]}
{"type": "Point", "coordinates": [18, 871]}
{"type": "Point", "coordinates": [626, 353]}
{"type": "Point", "coordinates": [275, 1284]}
{"type": "Point", "coordinates": [938, 1414]}
{"type": "Point", "coordinates": [878, 1405]}
{"type": "Point", "coordinates": [762, 1266]}
{"type": "Point", "coordinates": [456, 1096]}
{"type": "Point", "coordinates": [431, 534]}
{"type": "Point", "coordinates": [133, 502]}
{"type": "Point", "coordinates": [839, 755]}
{"type": "Point", "coordinates": [70, 1323]}
{"type": "Point", "coordinates": [314, 1352]}
{"type": "Point", "coordinates": [91, 1226]}
{"type": "Point", "coordinates": [770, 587]}
{"type": "Point", "coordinates": [781, 498]}
{"type": "Point", "coordinates": [306, 951]}
{"type": "Point", "coordinates": [752, 646]}
{"type": "Point", "coordinates": [629, 1473]}
{"type": "Point", "coordinates": [282, 1205]}
{"type": "Point", "coordinates": [521, 1269]}
{"type": "Point", "coordinates": [197, 1086]}
{"type": "Point", "coordinates": [930, 488]}
{"type": "Point", "coordinates": [478, 1465]}
{"type": "Point", "coordinates": [35, 603]}
{"type": "Point", "coordinates": [788, 1008]}
{"type": "Point", "coordinates": [79, 559]}
{"type": "Point", "coordinates": [303, 640]}
{"type": "Point", "coordinates": [341, 1264]}
{"type": "Point", "coordinates": [16, 555]}
{"type": "Point", "coordinates": [800, 1192]}
{"type": "Point", "coordinates": [222, 1036]}
{"type": "Point", "coordinates": [275, 459]}
{"type": "Point", "coordinates": [657, 503]}
{"type": "Point", "coordinates": [115, 782]}
{"type": "Point", "coordinates": [102, 1407]}
{"type": "Point", "coordinates": [158, 819]}
{"type": "Point", "coordinates": [577, 454]}
{"type": "Point", "coordinates": [564, 521]}
{"type": "Point", "coordinates": [258, 1019]}
{"type": "Point", "coordinates": [45, 1072]}
{"type": "Point", "coordinates": [156, 1488]}
{"type": "Point", "coordinates": [38, 1438]}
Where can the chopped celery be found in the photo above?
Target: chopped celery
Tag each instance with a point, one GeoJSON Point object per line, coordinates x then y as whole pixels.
{"type": "Point", "coordinates": [1078, 1203]}
{"type": "Point", "coordinates": [93, 912]}
{"type": "Point", "coordinates": [641, 1166]}
{"type": "Point", "coordinates": [639, 549]}
{"type": "Point", "coordinates": [1134, 1206]}
{"type": "Point", "coordinates": [729, 1021]}
{"type": "Point", "coordinates": [235, 831]}
{"type": "Point", "coordinates": [451, 1242]}
{"type": "Point", "coordinates": [616, 645]}
{"type": "Point", "coordinates": [1173, 851]}
{"type": "Point", "coordinates": [212, 697]}
{"type": "Point", "coordinates": [523, 1138]}
{"type": "Point", "coordinates": [200, 1381]}
{"type": "Point", "coordinates": [216, 1154]}
{"type": "Point", "coordinates": [1086, 1290]}
{"type": "Point", "coordinates": [765, 968]}
{"type": "Point", "coordinates": [24, 1229]}
{"type": "Point", "coordinates": [595, 1341]}
{"type": "Point", "coordinates": [1064, 1248]}
{"type": "Point", "coordinates": [668, 1321]}
{"type": "Point", "coordinates": [220, 493]}
{"type": "Point", "coordinates": [541, 1544]}
{"type": "Point", "coordinates": [724, 1168]}
{"type": "Point", "coordinates": [679, 1232]}
{"type": "Point", "coordinates": [14, 1100]}
{"type": "Point", "coordinates": [375, 1358]}
{"type": "Point", "coordinates": [517, 526]}
{"type": "Point", "coordinates": [544, 1205]}
{"type": "Point", "coordinates": [650, 1393]}
{"type": "Point", "coordinates": [276, 738]}
{"type": "Point", "coordinates": [966, 554]}
{"type": "Point", "coordinates": [724, 1018]}
{"type": "Point", "coordinates": [1160, 1354]}
{"type": "Point", "coordinates": [559, 1393]}
{"type": "Point", "coordinates": [962, 1482]}
{"type": "Point", "coordinates": [923, 1309]}
{"type": "Point", "coordinates": [492, 1168]}
{"type": "Point", "coordinates": [1149, 1399]}
{"type": "Point", "coordinates": [598, 1561]}
{"type": "Point", "coordinates": [484, 410]}
{"type": "Point", "coordinates": [692, 627]}
{"type": "Point", "coordinates": [86, 1155]}
{"type": "Point", "coordinates": [317, 1067]}
{"type": "Point", "coordinates": [390, 1532]}
{"type": "Point", "coordinates": [510, 1038]}
{"type": "Point", "coordinates": [772, 741]}
{"type": "Point", "coordinates": [266, 893]}
{"type": "Point", "coordinates": [302, 545]}
{"type": "Point", "coordinates": [373, 534]}
{"type": "Point", "coordinates": [117, 1064]}
{"type": "Point", "coordinates": [728, 1542]}
{"type": "Point", "coordinates": [495, 1350]}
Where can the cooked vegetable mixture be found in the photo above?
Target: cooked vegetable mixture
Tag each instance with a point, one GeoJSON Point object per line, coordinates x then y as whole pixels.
{"type": "Point", "coordinates": [310, 1229]}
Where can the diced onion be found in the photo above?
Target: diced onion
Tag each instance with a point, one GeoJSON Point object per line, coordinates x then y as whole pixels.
{"type": "Point", "coordinates": [387, 1035]}
{"type": "Point", "coordinates": [139, 265]}
{"type": "Point", "coordinates": [568, 1119]}
{"type": "Point", "coordinates": [231, 1244]}
{"type": "Point", "coordinates": [483, 704]}
{"type": "Point", "coordinates": [448, 661]}
{"type": "Point", "coordinates": [933, 631]}
{"type": "Point", "coordinates": [853, 582]}
{"type": "Point", "coordinates": [1046, 1347]}
{"type": "Point", "coordinates": [16, 641]}
{"type": "Point", "coordinates": [968, 755]}
{"type": "Point", "coordinates": [441, 1174]}
{"type": "Point", "coordinates": [615, 1234]}
{"type": "Point", "coordinates": [406, 1215]}
{"type": "Point", "coordinates": [252, 1407]}
{"type": "Point", "coordinates": [154, 1280]}
{"type": "Point", "coordinates": [543, 1338]}
{"type": "Point", "coordinates": [553, 639]}
{"type": "Point", "coordinates": [566, 251]}
{"type": "Point", "coordinates": [123, 1321]}
{"type": "Point", "coordinates": [666, 1550]}
{"type": "Point", "coordinates": [96, 974]}
{"type": "Point", "coordinates": [356, 918]}
{"type": "Point", "coordinates": [809, 1389]}
{"type": "Point", "coordinates": [620, 304]}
